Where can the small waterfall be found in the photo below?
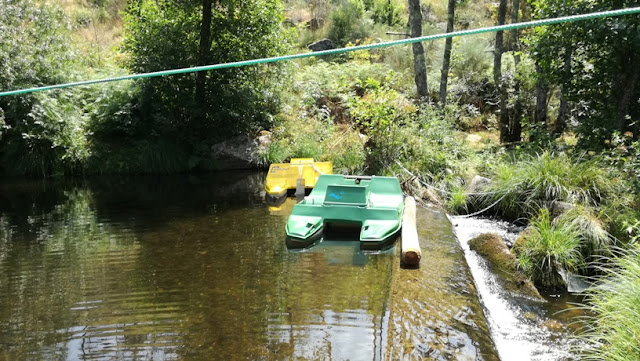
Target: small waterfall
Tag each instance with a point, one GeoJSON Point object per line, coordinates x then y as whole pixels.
{"type": "Point", "coordinates": [521, 329]}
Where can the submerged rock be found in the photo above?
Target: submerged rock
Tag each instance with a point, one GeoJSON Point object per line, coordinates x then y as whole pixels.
{"type": "Point", "coordinates": [503, 263]}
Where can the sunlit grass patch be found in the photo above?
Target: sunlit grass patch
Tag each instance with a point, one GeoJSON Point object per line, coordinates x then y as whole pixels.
{"type": "Point", "coordinates": [542, 179]}
{"type": "Point", "coordinates": [614, 332]}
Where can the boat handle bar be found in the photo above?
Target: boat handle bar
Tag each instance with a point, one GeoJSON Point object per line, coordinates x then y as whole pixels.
{"type": "Point", "coordinates": [363, 177]}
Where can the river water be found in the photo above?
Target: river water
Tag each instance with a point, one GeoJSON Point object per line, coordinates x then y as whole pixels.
{"type": "Point", "coordinates": [195, 268]}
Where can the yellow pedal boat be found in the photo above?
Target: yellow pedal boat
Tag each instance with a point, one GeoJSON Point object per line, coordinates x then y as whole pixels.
{"type": "Point", "coordinates": [298, 175]}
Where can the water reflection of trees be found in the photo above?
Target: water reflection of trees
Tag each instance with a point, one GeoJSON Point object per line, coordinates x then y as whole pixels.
{"type": "Point", "coordinates": [196, 270]}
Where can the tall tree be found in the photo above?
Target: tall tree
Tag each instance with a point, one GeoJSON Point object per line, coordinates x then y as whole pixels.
{"type": "Point", "coordinates": [444, 75]}
{"type": "Point", "coordinates": [166, 34]}
{"type": "Point", "coordinates": [563, 109]}
{"type": "Point", "coordinates": [419, 59]}
{"type": "Point", "coordinates": [205, 48]}
{"type": "Point", "coordinates": [497, 74]}
{"type": "Point", "coordinates": [542, 89]}
{"type": "Point", "coordinates": [515, 124]}
{"type": "Point", "coordinates": [603, 79]}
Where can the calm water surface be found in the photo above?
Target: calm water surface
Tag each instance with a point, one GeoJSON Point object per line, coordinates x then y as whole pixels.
{"type": "Point", "coordinates": [177, 268]}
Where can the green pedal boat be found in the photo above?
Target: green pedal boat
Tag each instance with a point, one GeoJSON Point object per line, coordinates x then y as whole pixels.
{"type": "Point", "coordinates": [374, 204]}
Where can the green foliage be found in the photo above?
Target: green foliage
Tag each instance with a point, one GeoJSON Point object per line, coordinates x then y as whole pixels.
{"type": "Point", "coordinates": [537, 181]}
{"type": "Point", "coordinates": [325, 89]}
{"type": "Point", "coordinates": [633, 230]}
{"type": "Point", "coordinates": [470, 72]}
{"type": "Point", "coordinates": [377, 109]}
{"type": "Point", "coordinates": [147, 156]}
{"type": "Point", "coordinates": [348, 23]}
{"type": "Point", "coordinates": [423, 142]}
{"type": "Point", "coordinates": [347, 153]}
{"type": "Point", "coordinates": [599, 80]}
{"type": "Point", "coordinates": [117, 113]}
{"type": "Point", "coordinates": [457, 200]}
{"type": "Point", "coordinates": [625, 158]}
{"type": "Point", "coordinates": [166, 34]}
{"type": "Point", "coordinates": [471, 57]}
{"type": "Point", "coordinates": [594, 238]}
{"type": "Point", "coordinates": [614, 332]}
{"type": "Point", "coordinates": [547, 247]}
{"type": "Point", "coordinates": [386, 12]}
{"type": "Point", "coordinates": [41, 134]}
{"type": "Point", "coordinates": [381, 114]}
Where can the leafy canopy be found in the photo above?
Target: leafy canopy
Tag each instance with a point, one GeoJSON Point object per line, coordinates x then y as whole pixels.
{"type": "Point", "coordinates": [166, 34]}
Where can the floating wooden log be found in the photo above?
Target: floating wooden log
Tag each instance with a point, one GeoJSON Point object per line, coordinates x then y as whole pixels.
{"type": "Point", "coordinates": [411, 253]}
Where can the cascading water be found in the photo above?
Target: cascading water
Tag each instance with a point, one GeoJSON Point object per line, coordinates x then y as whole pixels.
{"type": "Point", "coordinates": [521, 329]}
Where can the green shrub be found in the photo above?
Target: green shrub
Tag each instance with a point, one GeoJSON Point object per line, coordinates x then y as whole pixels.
{"type": "Point", "coordinates": [53, 138]}
{"type": "Point", "coordinates": [348, 23]}
{"type": "Point", "coordinates": [537, 181]}
{"type": "Point", "coordinates": [594, 238]}
{"type": "Point", "coordinates": [165, 35]}
{"type": "Point", "coordinates": [346, 151]}
{"type": "Point", "coordinates": [148, 156]}
{"type": "Point", "coordinates": [42, 134]}
{"type": "Point", "coordinates": [457, 200]}
{"type": "Point", "coordinates": [614, 332]}
{"type": "Point", "coordinates": [276, 152]}
{"type": "Point", "coordinates": [387, 12]}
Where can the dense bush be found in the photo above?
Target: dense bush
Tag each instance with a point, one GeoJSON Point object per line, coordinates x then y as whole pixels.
{"type": "Point", "coordinates": [594, 62]}
{"type": "Point", "coordinates": [42, 134]}
{"type": "Point", "coordinates": [348, 23]}
{"type": "Point", "coordinates": [387, 12]}
{"type": "Point", "coordinates": [537, 181]}
{"type": "Point", "coordinates": [167, 35]}
{"type": "Point", "coordinates": [572, 241]}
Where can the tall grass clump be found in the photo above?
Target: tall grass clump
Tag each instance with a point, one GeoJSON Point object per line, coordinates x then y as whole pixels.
{"type": "Point", "coordinates": [547, 248]}
{"type": "Point", "coordinates": [457, 200]}
{"type": "Point", "coordinates": [594, 238]}
{"type": "Point", "coordinates": [538, 181]}
{"type": "Point", "coordinates": [614, 332]}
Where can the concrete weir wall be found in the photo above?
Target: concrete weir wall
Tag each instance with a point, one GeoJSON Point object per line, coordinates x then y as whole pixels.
{"type": "Point", "coordinates": [434, 311]}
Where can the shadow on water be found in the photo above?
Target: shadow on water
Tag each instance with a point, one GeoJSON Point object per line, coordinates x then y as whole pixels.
{"type": "Point", "coordinates": [177, 268]}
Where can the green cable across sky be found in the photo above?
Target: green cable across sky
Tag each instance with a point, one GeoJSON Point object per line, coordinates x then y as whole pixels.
{"type": "Point", "coordinates": [528, 24]}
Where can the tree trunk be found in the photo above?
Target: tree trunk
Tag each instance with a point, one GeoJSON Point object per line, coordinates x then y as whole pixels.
{"type": "Point", "coordinates": [203, 56]}
{"type": "Point", "coordinates": [541, 99]}
{"type": "Point", "coordinates": [444, 76]}
{"type": "Point", "coordinates": [628, 91]}
{"type": "Point", "coordinates": [419, 60]}
{"type": "Point", "coordinates": [515, 128]}
{"type": "Point", "coordinates": [497, 73]}
{"type": "Point", "coordinates": [563, 110]}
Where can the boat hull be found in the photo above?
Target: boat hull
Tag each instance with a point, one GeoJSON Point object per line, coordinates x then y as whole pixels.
{"type": "Point", "coordinates": [372, 204]}
{"type": "Point", "coordinates": [298, 175]}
